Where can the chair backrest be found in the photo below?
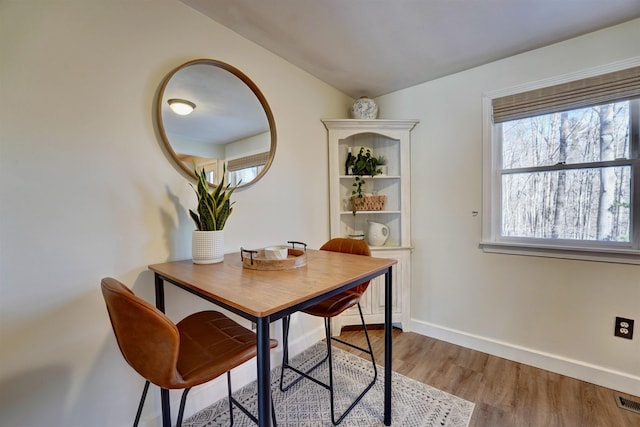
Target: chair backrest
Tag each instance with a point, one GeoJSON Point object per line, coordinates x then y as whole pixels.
{"type": "Point", "coordinates": [349, 246]}
{"type": "Point", "coordinates": [148, 340]}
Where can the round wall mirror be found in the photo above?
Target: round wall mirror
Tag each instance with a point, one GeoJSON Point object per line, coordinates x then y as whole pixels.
{"type": "Point", "coordinates": [211, 116]}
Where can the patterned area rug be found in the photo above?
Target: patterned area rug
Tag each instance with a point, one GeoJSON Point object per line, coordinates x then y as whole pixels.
{"type": "Point", "coordinates": [307, 404]}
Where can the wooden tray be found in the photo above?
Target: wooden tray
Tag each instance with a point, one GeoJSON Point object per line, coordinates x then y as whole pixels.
{"type": "Point", "coordinates": [256, 260]}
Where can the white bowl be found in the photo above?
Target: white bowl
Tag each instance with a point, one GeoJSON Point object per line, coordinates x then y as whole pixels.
{"type": "Point", "coordinates": [276, 252]}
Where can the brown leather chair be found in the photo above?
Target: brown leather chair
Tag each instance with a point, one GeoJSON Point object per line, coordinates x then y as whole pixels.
{"type": "Point", "coordinates": [197, 349]}
{"type": "Point", "coordinates": [327, 309]}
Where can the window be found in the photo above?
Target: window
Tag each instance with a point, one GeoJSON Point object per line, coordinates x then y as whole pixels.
{"type": "Point", "coordinates": [245, 169]}
{"type": "Point", "coordinates": [562, 169]}
{"type": "Point", "coordinates": [242, 176]}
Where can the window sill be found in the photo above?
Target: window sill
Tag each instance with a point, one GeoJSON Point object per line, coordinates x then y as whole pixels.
{"type": "Point", "coordinates": [619, 256]}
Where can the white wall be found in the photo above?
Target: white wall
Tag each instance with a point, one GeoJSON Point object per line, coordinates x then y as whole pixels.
{"type": "Point", "coordinates": [87, 190]}
{"type": "Point", "coordinates": [554, 313]}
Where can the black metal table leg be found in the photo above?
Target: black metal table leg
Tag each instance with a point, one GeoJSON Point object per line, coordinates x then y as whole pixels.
{"type": "Point", "coordinates": [159, 292]}
{"type": "Point", "coordinates": [264, 372]}
{"type": "Point", "coordinates": [164, 393]}
{"type": "Point", "coordinates": [387, 347]}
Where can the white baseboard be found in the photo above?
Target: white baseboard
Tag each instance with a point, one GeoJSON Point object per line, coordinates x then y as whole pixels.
{"type": "Point", "coordinates": [561, 365]}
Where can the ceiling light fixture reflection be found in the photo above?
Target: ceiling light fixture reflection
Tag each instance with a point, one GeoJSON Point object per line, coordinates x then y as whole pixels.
{"type": "Point", "coordinates": [181, 106]}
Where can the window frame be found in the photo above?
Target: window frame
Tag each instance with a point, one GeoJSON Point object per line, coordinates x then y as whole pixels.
{"type": "Point", "coordinates": [492, 240]}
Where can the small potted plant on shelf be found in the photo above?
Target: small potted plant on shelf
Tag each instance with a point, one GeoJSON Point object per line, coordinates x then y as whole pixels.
{"type": "Point", "coordinates": [212, 213]}
{"type": "Point", "coordinates": [364, 164]}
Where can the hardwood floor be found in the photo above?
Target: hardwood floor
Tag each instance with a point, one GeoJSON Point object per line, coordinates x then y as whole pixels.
{"type": "Point", "coordinates": [506, 393]}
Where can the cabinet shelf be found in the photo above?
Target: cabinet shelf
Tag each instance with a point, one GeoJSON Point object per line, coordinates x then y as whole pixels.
{"type": "Point", "coordinates": [369, 212]}
{"type": "Point", "coordinates": [370, 177]}
{"type": "Point", "coordinates": [390, 248]}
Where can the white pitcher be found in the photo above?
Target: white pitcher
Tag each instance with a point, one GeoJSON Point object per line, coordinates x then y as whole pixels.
{"type": "Point", "coordinates": [377, 234]}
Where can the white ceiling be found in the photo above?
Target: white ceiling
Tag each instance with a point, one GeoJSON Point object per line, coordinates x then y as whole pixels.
{"type": "Point", "coordinates": [374, 47]}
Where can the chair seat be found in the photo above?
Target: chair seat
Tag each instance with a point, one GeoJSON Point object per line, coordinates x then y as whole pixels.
{"type": "Point", "coordinates": [334, 305]}
{"type": "Point", "coordinates": [210, 345]}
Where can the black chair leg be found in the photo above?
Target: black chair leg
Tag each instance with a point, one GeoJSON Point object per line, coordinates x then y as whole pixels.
{"type": "Point", "coordinates": [230, 398]}
{"type": "Point", "coordinates": [286, 365]}
{"type": "Point", "coordinates": [141, 404]}
{"type": "Point", "coordinates": [330, 387]}
{"type": "Point", "coordinates": [182, 403]}
{"type": "Point", "coordinates": [273, 413]}
{"type": "Point", "coordinates": [285, 349]}
{"type": "Point", "coordinates": [369, 351]}
{"type": "Point", "coordinates": [233, 401]}
{"type": "Point", "coordinates": [327, 330]}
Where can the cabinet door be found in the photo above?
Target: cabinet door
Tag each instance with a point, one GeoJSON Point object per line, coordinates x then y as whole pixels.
{"type": "Point", "coordinates": [377, 289]}
{"type": "Point", "coordinates": [365, 304]}
{"type": "Point", "coordinates": [372, 302]}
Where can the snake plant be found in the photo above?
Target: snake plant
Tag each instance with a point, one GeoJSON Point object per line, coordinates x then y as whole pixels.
{"type": "Point", "coordinates": [213, 208]}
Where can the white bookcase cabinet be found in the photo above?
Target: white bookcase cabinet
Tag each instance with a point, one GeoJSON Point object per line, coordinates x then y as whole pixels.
{"type": "Point", "coordinates": [390, 139]}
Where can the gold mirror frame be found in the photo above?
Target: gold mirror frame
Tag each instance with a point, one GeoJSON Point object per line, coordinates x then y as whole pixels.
{"type": "Point", "coordinates": [162, 99]}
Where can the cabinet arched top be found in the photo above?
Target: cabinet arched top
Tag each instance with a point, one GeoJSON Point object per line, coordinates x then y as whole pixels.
{"type": "Point", "coordinates": [349, 127]}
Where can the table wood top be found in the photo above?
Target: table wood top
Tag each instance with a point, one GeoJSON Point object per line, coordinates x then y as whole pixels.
{"type": "Point", "coordinates": [262, 293]}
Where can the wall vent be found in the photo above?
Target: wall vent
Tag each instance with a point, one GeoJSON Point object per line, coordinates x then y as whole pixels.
{"type": "Point", "coordinates": [626, 403]}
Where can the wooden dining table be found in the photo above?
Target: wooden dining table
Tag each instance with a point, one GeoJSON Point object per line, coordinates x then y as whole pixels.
{"type": "Point", "coordinates": [263, 297]}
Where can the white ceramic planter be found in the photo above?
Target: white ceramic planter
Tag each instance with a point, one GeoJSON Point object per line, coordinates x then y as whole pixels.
{"type": "Point", "coordinates": [207, 247]}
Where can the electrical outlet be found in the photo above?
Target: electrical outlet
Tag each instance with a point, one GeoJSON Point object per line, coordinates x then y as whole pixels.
{"type": "Point", "coordinates": [624, 328]}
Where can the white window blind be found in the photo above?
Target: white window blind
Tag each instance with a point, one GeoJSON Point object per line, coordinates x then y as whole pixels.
{"type": "Point", "coordinates": [248, 161]}
{"type": "Point", "coordinates": [611, 87]}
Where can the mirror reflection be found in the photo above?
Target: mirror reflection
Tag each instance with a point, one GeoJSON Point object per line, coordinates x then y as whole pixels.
{"type": "Point", "coordinates": [213, 116]}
